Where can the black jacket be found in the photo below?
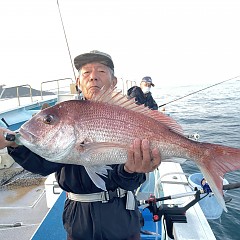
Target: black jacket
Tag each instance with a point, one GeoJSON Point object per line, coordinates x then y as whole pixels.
{"type": "Point", "coordinates": [141, 98]}
{"type": "Point", "coordinates": [88, 220]}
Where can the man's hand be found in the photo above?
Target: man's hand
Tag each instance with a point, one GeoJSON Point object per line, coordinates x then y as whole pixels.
{"type": "Point", "coordinates": [3, 142]}
{"type": "Point", "coordinates": [140, 157]}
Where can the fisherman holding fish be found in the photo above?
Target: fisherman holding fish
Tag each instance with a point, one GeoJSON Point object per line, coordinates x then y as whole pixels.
{"type": "Point", "coordinates": [143, 93]}
{"type": "Point", "coordinates": [90, 212]}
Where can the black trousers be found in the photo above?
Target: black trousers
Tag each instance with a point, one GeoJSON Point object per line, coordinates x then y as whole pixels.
{"type": "Point", "coordinates": [134, 237]}
{"type": "Point", "coordinates": [101, 221]}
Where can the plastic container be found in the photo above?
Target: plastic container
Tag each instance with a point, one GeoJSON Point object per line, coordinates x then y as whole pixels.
{"type": "Point", "coordinates": [209, 204]}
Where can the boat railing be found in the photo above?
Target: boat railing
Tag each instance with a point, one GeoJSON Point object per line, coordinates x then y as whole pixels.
{"type": "Point", "coordinates": [58, 88]}
{"type": "Point", "coordinates": [17, 92]}
{"type": "Point", "coordinates": [50, 88]}
{"type": "Point", "coordinates": [130, 83]}
{"type": "Point", "coordinates": [126, 84]}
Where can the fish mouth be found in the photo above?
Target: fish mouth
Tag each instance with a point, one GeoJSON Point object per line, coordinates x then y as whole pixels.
{"type": "Point", "coordinates": [26, 135]}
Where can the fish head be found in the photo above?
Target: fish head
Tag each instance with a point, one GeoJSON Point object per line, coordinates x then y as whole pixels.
{"type": "Point", "coordinates": [50, 133]}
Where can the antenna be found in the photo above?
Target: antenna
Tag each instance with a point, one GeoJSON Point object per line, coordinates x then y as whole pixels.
{"type": "Point", "coordinates": [66, 40]}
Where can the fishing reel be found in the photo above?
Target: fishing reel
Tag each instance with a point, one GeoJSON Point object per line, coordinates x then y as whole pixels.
{"type": "Point", "coordinates": [171, 213]}
{"type": "Point", "coordinates": [194, 136]}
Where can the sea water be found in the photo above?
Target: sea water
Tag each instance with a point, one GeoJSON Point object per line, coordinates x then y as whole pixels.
{"type": "Point", "coordinates": [215, 115]}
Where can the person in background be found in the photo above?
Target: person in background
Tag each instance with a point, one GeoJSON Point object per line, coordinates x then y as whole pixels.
{"type": "Point", "coordinates": [45, 105]}
{"type": "Point", "coordinates": [89, 212]}
{"type": "Point", "coordinates": [142, 94]}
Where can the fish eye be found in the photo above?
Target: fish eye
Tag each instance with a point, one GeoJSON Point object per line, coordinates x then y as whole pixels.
{"type": "Point", "coordinates": [48, 119]}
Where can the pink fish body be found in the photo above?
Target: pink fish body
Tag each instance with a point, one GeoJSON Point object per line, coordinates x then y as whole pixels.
{"type": "Point", "coordinates": [97, 133]}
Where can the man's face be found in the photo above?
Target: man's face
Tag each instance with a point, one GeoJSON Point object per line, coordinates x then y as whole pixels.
{"type": "Point", "coordinates": [93, 76]}
{"type": "Point", "coordinates": [145, 84]}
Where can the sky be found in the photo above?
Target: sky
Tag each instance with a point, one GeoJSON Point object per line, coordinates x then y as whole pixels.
{"type": "Point", "coordinates": [176, 42]}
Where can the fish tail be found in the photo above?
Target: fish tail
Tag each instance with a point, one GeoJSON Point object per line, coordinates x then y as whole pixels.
{"type": "Point", "coordinates": [214, 163]}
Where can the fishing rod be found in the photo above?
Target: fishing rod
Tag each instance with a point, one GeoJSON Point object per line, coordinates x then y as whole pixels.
{"type": "Point", "coordinates": [172, 213]}
{"type": "Point", "coordinates": [229, 186]}
{"type": "Point", "coordinates": [198, 91]}
{"type": "Point", "coordinates": [66, 40]}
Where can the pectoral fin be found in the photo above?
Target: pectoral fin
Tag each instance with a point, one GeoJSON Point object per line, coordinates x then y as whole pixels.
{"type": "Point", "coordinates": [95, 171]}
{"type": "Point", "coordinates": [91, 149]}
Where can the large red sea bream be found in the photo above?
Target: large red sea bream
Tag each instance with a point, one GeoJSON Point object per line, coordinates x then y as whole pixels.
{"type": "Point", "coordinates": [97, 133]}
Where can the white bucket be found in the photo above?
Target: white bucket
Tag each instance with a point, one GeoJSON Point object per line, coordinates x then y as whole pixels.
{"type": "Point", "coordinates": [209, 204]}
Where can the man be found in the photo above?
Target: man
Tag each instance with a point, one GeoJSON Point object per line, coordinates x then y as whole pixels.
{"type": "Point", "coordinates": [142, 94]}
{"type": "Point", "coordinates": [94, 218]}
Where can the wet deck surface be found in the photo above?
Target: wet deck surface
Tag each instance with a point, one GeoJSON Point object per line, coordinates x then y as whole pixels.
{"type": "Point", "coordinates": [22, 204]}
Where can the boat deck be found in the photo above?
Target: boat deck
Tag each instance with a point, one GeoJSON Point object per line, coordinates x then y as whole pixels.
{"type": "Point", "coordinates": [22, 208]}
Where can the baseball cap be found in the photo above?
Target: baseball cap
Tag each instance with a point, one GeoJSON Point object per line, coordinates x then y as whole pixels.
{"type": "Point", "coordinates": [93, 56]}
{"type": "Point", "coordinates": [148, 80]}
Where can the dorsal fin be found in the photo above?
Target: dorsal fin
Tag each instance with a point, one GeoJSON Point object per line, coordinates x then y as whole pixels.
{"type": "Point", "coordinates": [113, 97]}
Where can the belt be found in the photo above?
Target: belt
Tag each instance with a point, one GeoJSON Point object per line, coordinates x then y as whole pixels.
{"type": "Point", "coordinates": [97, 197]}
